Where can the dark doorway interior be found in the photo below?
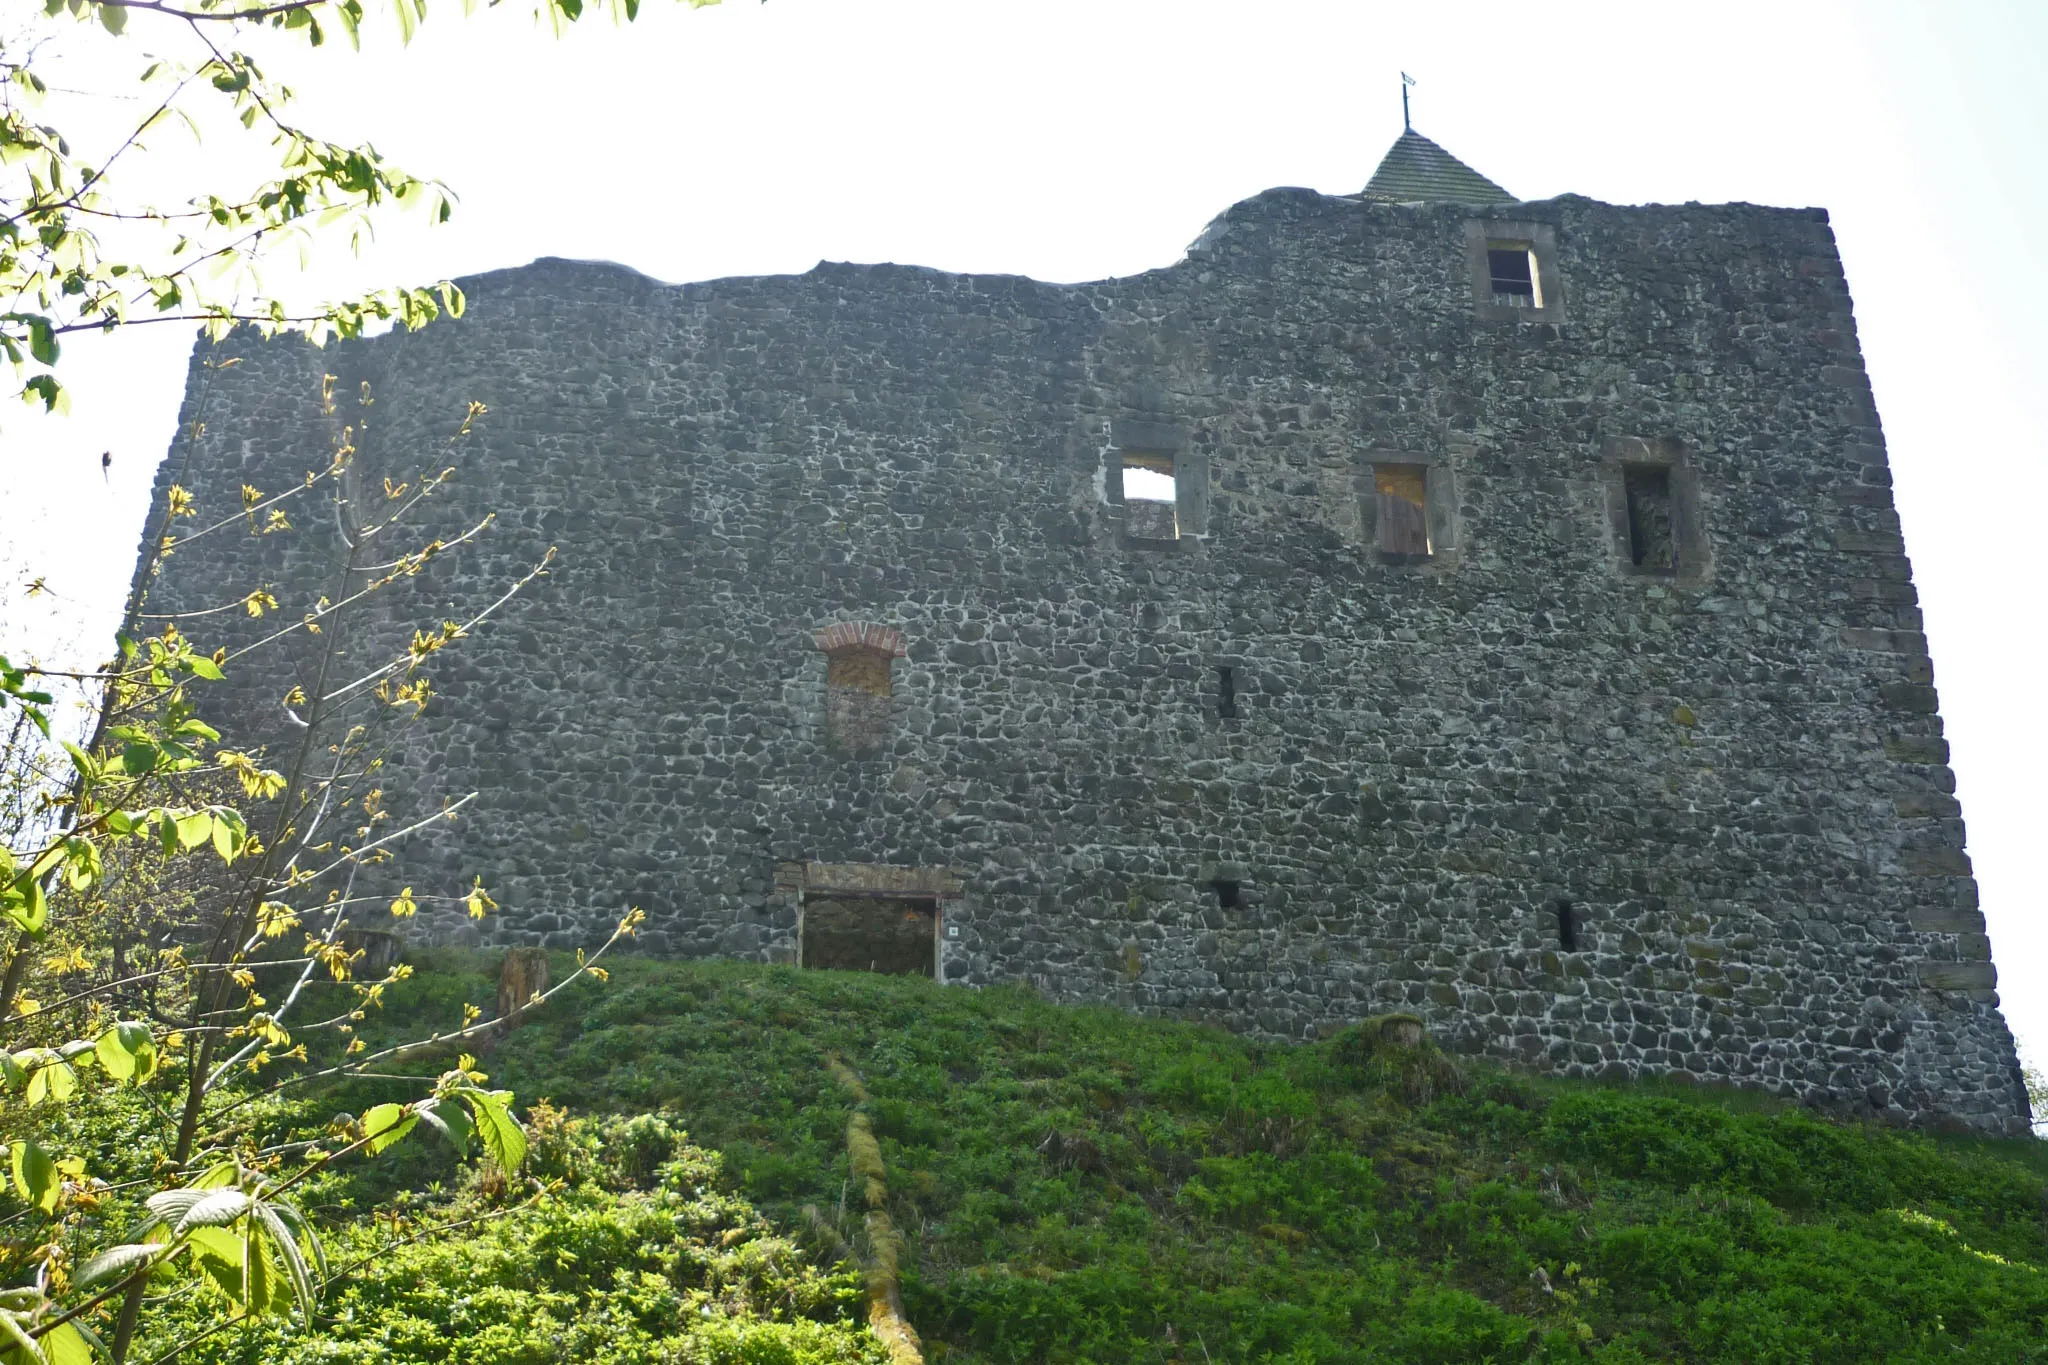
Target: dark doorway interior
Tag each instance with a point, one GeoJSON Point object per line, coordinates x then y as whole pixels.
{"type": "Point", "coordinates": [871, 934]}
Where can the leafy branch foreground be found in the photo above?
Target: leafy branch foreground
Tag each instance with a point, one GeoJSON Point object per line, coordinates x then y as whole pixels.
{"type": "Point", "coordinates": [1079, 1185]}
{"type": "Point", "coordinates": [86, 244]}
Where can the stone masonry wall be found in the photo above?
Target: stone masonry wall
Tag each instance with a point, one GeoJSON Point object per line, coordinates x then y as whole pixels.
{"type": "Point", "coordinates": [1733, 772]}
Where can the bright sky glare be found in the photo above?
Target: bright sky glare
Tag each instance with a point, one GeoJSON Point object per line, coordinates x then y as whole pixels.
{"type": "Point", "coordinates": [1076, 139]}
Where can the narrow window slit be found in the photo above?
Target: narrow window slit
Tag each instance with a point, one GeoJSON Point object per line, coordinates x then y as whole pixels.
{"type": "Point", "coordinates": [1647, 490]}
{"type": "Point", "coordinates": [1226, 693]}
{"type": "Point", "coordinates": [1567, 926]}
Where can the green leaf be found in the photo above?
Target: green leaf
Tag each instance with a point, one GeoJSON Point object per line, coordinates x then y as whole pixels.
{"type": "Point", "coordinates": [82, 863]}
{"type": "Point", "coordinates": [35, 1176]}
{"type": "Point", "coordinates": [206, 668]}
{"type": "Point", "coordinates": [25, 904]}
{"type": "Point", "coordinates": [11, 1072]}
{"type": "Point", "coordinates": [82, 763]}
{"type": "Point", "coordinates": [221, 1245]}
{"type": "Point", "coordinates": [503, 1138]}
{"type": "Point", "coordinates": [385, 1124]}
{"type": "Point", "coordinates": [212, 1209]}
{"type": "Point", "coordinates": [115, 17]}
{"type": "Point", "coordinates": [42, 339]}
{"type": "Point", "coordinates": [114, 1263]}
{"type": "Point", "coordinates": [56, 398]}
{"type": "Point", "coordinates": [218, 1255]}
{"type": "Point", "coordinates": [50, 1077]}
{"type": "Point", "coordinates": [139, 757]}
{"type": "Point", "coordinates": [305, 1294]}
{"type": "Point", "coordinates": [229, 833]}
{"type": "Point", "coordinates": [127, 1051]}
{"type": "Point", "coordinates": [450, 1122]}
{"type": "Point", "coordinates": [17, 1340]}
{"type": "Point", "coordinates": [64, 1344]}
{"type": "Point", "coordinates": [194, 828]}
{"type": "Point", "coordinates": [259, 1274]}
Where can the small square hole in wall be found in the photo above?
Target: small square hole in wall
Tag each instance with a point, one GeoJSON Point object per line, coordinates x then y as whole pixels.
{"type": "Point", "coordinates": [1227, 893]}
{"type": "Point", "coordinates": [1511, 270]}
{"type": "Point", "coordinates": [1646, 489]}
{"type": "Point", "coordinates": [1400, 515]}
{"type": "Point", "coordinates": [1150, 495]}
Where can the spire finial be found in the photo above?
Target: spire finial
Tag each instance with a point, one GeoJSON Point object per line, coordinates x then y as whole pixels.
{"type": "Point", "coordinates": [1406, 81]}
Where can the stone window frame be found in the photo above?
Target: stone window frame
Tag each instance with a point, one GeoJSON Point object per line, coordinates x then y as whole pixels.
{"type": "Point", "coordinates": [1692, 553]}
{"type": "Point", "coordinates": [1168, 442]}
{"type": "Point", "coordinates": [1439, 507]}
{"type": "Point", "coordinates": [1541, 239]}
{"type": "Point", "coordinates": [944, 887]}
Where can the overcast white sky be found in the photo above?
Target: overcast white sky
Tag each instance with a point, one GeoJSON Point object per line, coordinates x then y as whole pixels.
{"type": "Point", "coordinates": [1074, 139]}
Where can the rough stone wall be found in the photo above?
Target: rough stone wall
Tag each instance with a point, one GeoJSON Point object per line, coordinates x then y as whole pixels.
{"type": "Point", "coordinates": [1732, 772]}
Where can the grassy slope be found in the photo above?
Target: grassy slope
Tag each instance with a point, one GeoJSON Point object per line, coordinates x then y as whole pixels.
{"type": "Point", "coordinates": [1083, 1185]}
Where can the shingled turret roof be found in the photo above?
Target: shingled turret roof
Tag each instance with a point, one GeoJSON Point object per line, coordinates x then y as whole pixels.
{"type": "Point", "coordinates": [1415, 168]}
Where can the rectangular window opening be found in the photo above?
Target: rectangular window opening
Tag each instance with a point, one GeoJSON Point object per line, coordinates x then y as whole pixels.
{"type": "Point", "coordinates": [1647, 490]}
{"type": "Point", "coordinates": [1151, 493]}
{"type": "Point", "coordinates": [1511, 266]}
{"type": "Point", "coordinates": [1226, 693]}
{"type": "Point", "coordinates": [1226, 893]}
{"type": "Point", "coordinates": [1567, 926]}
{"type": "Point", "coordinates": [1400, 493]}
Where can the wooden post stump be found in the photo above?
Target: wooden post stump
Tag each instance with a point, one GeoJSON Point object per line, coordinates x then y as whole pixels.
{"type": "Point", "coordinates": [524, 976]}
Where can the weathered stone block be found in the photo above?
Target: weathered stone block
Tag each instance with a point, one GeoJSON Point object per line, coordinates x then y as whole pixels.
{"type": "Point", "coordinates": [1916, 748]}
{"type": "Point", "coordinates": [1958, 976]}
{"type": "Point", "coordinates": [1936, 862]}
{"type": "Point", "coordinates": [1904, 696]}
{"type": "Point", "coordinates": [1870, 542]}
{"type": "Point", "coordinates": [1936, 920]}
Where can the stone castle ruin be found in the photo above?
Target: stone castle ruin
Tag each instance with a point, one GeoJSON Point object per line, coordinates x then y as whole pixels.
{"type": "Point", "coordinates": [1414, 601]}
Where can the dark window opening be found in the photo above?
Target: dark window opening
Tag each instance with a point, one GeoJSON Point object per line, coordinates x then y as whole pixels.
{"type": "Point", "coordinates": [1567, 926]}
{"type": "Point", "coordinates": [1226, 693]}
{"type": "Point", "coordinates": [890, 934]}
{"type": "Point", "coordinates": [1511, 267]}
{"type": "Point", "coordinates": [1226, 893]}
{"type": "Point", "coordinates": [1400, 508]}
{"type": "Point", "coordinates": [1647, 489]}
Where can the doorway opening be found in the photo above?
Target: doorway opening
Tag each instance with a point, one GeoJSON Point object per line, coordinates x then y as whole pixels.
{"type": "Point", "coordinates": [896, 935]}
